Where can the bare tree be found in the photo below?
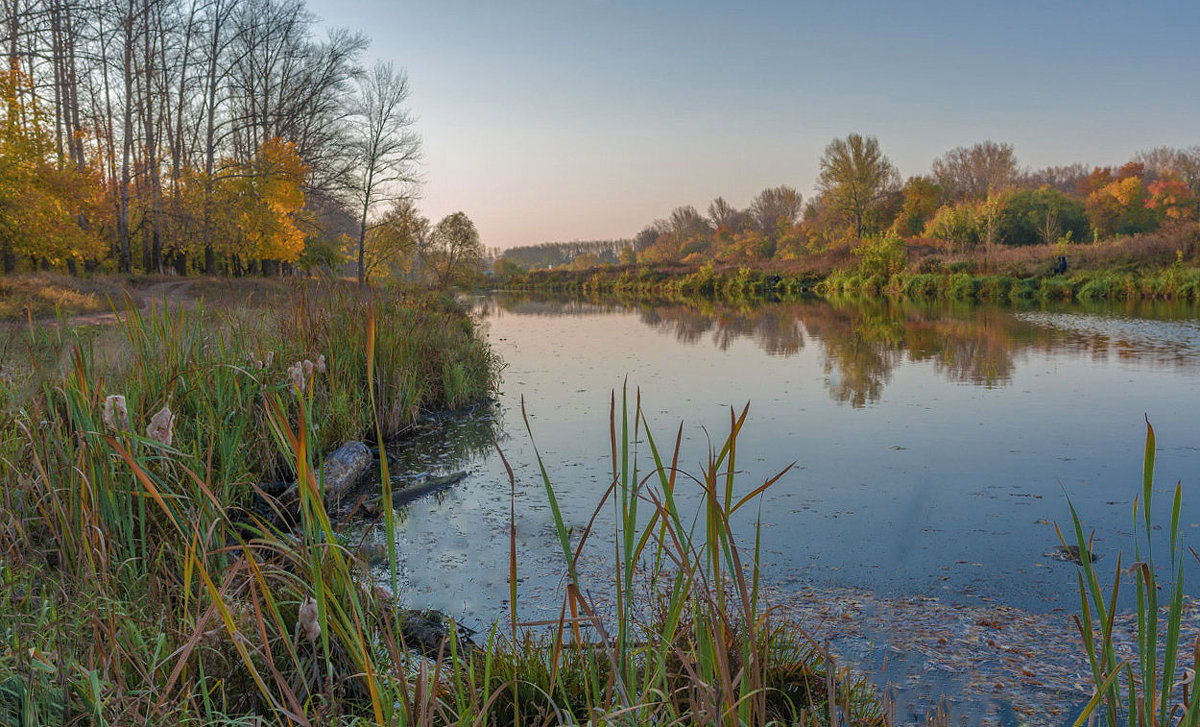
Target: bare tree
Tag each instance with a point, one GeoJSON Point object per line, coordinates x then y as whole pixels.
{"type": "Point", "coordinates": [1163, 161]}
{"type": "Point", "coordinates": [384, 147]}
{"type": "Point", "coordinates": [649, 234]}
{"type": "Point", "coordinates": [774, 205]}
{"type": "Point", "coordinates": [723, 214]}
{"type": "Point", "coordinates": [686, 223]}
{"type": "Point", "coordinates": [1063, 178]}
{"type": "Point", "coordinates": [977, 171]}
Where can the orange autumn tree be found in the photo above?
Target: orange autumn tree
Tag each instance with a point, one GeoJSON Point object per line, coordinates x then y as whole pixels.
{"type": "Point", "coordinates": [1120, 207]}
{"type": "Point", "coordinates": [1173, 198]}
{"type": "Point", "coordinates": [268, 197]}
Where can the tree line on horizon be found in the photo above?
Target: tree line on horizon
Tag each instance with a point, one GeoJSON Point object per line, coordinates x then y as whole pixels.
{"type": "Point", "coordinates": [973, 196]}
{"type": "Point", "coordinates": [207, 136]}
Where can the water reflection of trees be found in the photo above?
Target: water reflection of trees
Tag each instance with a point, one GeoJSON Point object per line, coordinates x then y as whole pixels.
{"type": "Point", "coordinates": [863, 342]}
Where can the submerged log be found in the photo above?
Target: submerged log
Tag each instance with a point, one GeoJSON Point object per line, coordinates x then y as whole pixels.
{"type": "Point", "coordinates": [429, 632]}
{"type": "Point", "coordinates": [427, 486]}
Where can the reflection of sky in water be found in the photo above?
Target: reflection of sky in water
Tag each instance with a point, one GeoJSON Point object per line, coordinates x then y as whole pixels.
{"type": "Point", "coordinates": [1169, 341]}
{"type": "Point", "coordinates": [933, 446]}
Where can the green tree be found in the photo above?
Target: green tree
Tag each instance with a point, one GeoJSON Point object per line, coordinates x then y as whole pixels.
{"type": "Point", "coordinates": [455, 253]}
{"type": "Point", "coordinates": [921, 199]}
{"type": "Point", "coordinates": [960, 224]}
{"type": "Point", "coordinates": [391, 244]}
{"type": "Point", "coordinates": [1032, 216]}
{"type": "Point", "coordinates": [855, 176]}
{"type": "Point", "coordinates": [504, 269]}
{"type": "Point", "coordinates": [885, 255]}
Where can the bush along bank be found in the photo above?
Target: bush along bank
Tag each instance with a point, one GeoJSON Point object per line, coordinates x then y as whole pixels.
{"type": "Point", "coordinates": [742, 284]}
{"type": "Point", "coordinates": [669, 282]}
{"type": "Point", "coordinates": [1172, 283]}
{"type": "Point", "coordinates": [1159, 266]}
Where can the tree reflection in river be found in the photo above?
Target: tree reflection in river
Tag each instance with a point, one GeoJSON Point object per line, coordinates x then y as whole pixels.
{"type": "Point", "coordinates": [863, 341]}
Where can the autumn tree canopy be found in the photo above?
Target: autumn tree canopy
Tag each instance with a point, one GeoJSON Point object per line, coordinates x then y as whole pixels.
{"type": "Point", "coordinates": [855, 177]}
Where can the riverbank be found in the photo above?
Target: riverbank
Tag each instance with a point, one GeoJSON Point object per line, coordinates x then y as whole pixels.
{"type": "Point", "coordinates": [1160, 266]}
{"type": "Point", "coordinates": [142, 580]}
{"type": "Point", "coordinates": [138, 581]}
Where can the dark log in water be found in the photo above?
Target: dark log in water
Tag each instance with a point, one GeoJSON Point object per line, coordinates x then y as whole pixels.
{"type": "Point", "coordinates": [427, 486]}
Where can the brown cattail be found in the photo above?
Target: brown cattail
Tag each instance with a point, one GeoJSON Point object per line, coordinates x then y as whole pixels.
{"type": "Point", "coordinates": [296, 374]}
{"type": "Point", "coordinates": [161, 425]}
{"type": "Point", "coordinates": [115, 415]}
{"type": "Point", "coordinates": [310, 622]}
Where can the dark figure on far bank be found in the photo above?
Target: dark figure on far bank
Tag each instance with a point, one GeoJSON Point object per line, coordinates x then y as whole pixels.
{"type": "Point", "coordinates": [1060, 267]}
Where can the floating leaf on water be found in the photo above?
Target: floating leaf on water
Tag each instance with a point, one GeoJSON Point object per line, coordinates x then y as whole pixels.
{"type": "Point", "coordinates": [1069, 554]}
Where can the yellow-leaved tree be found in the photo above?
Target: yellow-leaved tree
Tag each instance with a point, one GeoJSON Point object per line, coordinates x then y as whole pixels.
{"type": "Point", "coordinates": [268, 195]}
{"type": "Point", "coordinates": [43, 207]}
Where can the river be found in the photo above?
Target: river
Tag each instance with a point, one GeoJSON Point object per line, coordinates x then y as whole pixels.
{"type": "Point", "coordinates": [935, 446]}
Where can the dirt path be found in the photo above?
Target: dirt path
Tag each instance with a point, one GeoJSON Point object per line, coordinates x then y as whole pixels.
{"type": "Point", "coordinates": [158, 295]}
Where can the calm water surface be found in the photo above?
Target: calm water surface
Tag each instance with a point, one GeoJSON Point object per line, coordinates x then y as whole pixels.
{"type": "Point", "coordinates": [934, 446]}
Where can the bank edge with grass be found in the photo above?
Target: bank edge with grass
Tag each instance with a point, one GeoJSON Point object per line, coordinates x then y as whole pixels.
{"type": "Point", "coordinates": [1160, 266]}
{"type": "Point", "coordinates": [140, 586]}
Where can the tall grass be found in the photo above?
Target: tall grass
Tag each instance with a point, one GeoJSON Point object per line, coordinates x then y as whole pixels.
{"type": "Point", "coordinates": [1144, 689]}
{"type": "Point", "coordinates": [139, 584]}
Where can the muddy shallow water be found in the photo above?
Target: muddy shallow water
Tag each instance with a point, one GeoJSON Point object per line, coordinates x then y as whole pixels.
{"type": "Point", "coordinates": [934, 447]}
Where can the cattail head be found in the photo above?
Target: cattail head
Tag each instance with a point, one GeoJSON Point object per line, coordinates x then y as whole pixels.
{"type": "Point", "coordinates": [308, 369]}
{"type": "Point", "coordinates": [161, 425]}
{"type": "Point", "coordinates": [114, 414]}
{"type": "Point", "coordinates": [321, 363]}
{"type": "Point", "coordinates": [310, 623]}
{"type": "Point", "coordinates": [296, 374]}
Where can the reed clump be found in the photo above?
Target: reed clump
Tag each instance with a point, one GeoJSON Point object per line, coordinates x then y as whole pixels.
{"type": "Point", "coordinates": [682, 634]}
{"type": "Point", "coordinates": [1150, 682]}
{"type": "Point", "coordinates": [138, 584]}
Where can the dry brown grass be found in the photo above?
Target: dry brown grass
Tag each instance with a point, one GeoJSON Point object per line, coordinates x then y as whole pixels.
{"type": "Point", "coordinates": [1150, 250]}
{"type": "Point", "coordinates": [43, 294]}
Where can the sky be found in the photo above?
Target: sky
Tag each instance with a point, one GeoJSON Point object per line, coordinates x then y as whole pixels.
{"type": "Point", "coordinates": [587, 119]}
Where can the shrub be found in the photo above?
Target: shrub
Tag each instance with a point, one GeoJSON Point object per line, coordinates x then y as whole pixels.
{"type": "Point", "coordinates": [884, 255]}
{"type": "Point", "coordinates": [962, 286]}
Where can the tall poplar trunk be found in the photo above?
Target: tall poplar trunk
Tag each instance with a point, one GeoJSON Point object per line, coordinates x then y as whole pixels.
{"type": "Point", "coordinates": [125, 262]}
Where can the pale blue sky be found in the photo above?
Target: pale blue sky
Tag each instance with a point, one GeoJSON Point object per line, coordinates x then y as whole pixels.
{"type": "Point", "coordinates": [585, 120]}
